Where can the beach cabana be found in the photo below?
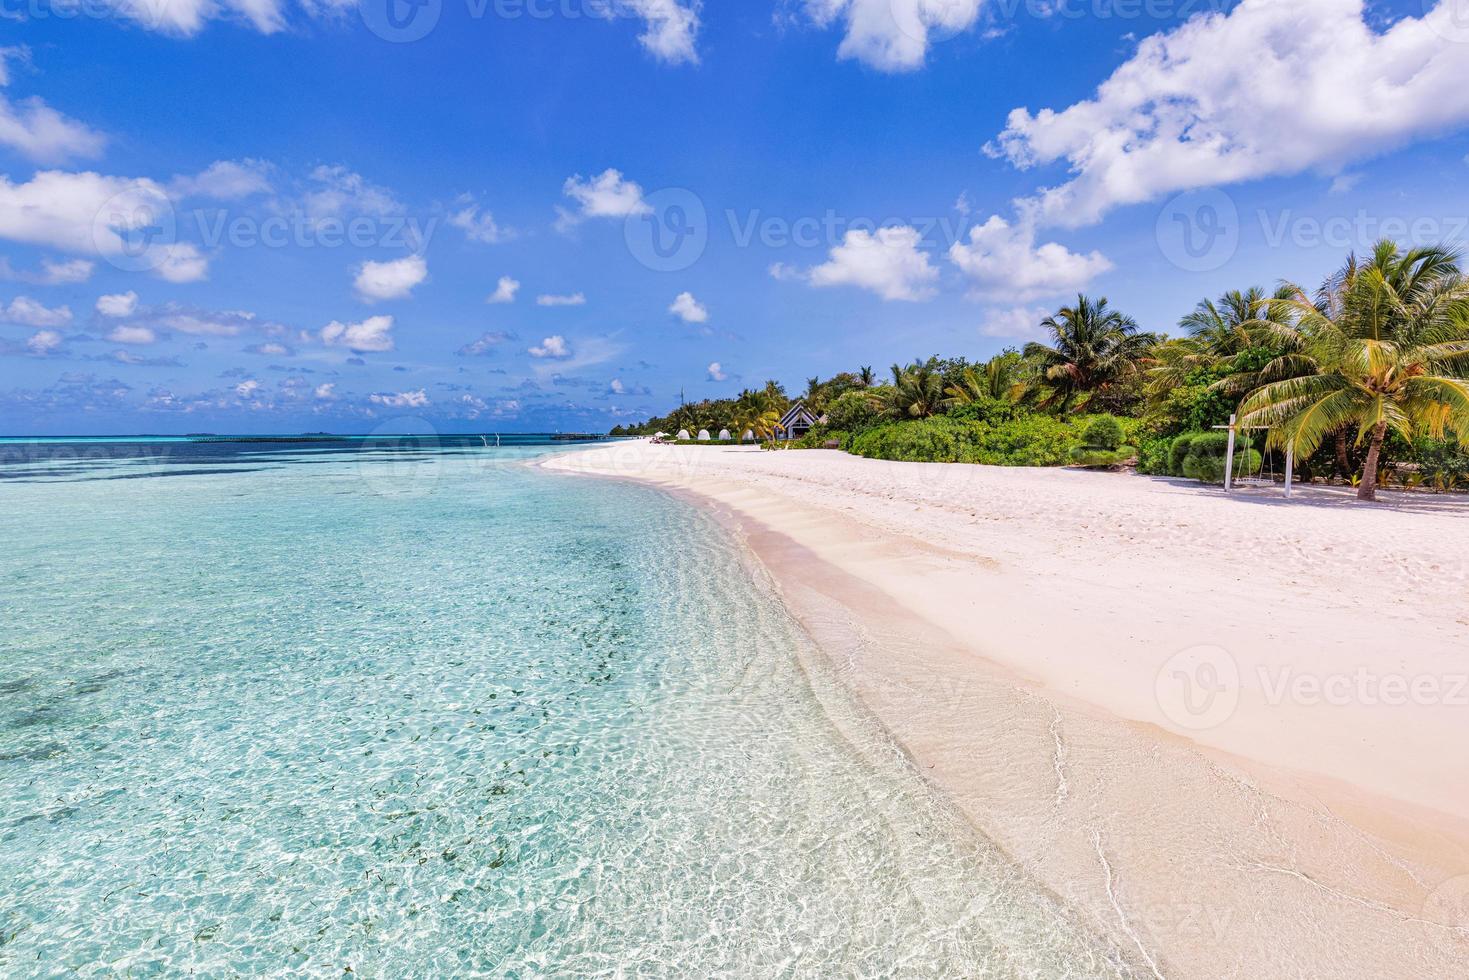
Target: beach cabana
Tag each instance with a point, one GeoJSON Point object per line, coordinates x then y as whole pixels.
{"type": "Point", "coordinates": [683, 433]}
{"type": "Point", "coordinates": [749, 436]}
{"type": "Point", "coordinates": [797, 421]}
{"type": "Point", "coordinates": [703, 435]}
{"type": "Point", "coordinates": [724, 435]}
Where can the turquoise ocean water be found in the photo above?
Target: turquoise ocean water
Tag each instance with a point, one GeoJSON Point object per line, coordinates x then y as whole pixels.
{"type": "Point", "coordinates": [425, 710]}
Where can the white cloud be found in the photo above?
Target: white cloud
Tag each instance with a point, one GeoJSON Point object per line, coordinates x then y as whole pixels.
{"type": "Point", "coordinates": [894, 35]}
{"type": "Point", "coordinates": [887, 263]}
{"type": "Point", "coordinates": [505, 291]}
{"type": "Point", "coordinates": [1003, 260]}
{"type": "Point", "coordinates": [378, 281]}
{"type": "Point", "coordinates": [35, 130]}
{"type": "Point", "coordinates": [126, 334]}
{"type": "Point", "coordinates": [372, 335]}
{"type": "Point", "coordinates": [554, 347]}
{"type": "Point", "coordinates": [269, 349]}
{"type": "Point", "coordinates": [247, 388]}
{"type": "Point", "coordinates": [671, 29]}
{"type": "Point", "coordinates": [181, 262]}
{"type": "Point", "coordinates": [326, 392]}
{"type": "Point", "coordinates": [92, 214]}
{"type": "Point", "coordinates": [616, 387]}
{"type": "Point", "coordinates": [689, 309]}
{"type": "Point", "coordinates": [486, 343]}
{"type": "Point", "coordinates": [67, 273]}
{"type": "Point", "coordinates": [1019, 323]}
{"type": "Point", "coordinates": [118, 304]}
{"type": "Point", "coordinates": [186, 18]}
{"type": "Point", "coordinates": [338, 193]}
{"type": "Point", "coordinates": [1268, 89]}
{"type": "Point", "coordinates": [716, 372]}
{"type": "Point", "coordinates": [608, 195]}
{"type": "Point", "coordinates": [402, 399]}
{"type": "Point", "coordinates": [225, 180]}
{"type": "Point", "coordinates": [479, 225]}
{"type": "Point", "coordinates": [574, 299]}
{"type": "Point", "coordinates": [205, 324]}
{"type": "Point", "coordinates": [44, 341]}
{"type": "Point", "coordinates": [28, 313]}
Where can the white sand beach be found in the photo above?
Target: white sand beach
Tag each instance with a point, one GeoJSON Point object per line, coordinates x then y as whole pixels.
{"type": "Point", "coordinates": [1231, 730]}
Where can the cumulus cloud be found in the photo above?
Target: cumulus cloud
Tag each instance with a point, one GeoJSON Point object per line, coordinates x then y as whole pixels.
{"type": "Point", "coordinates": [118, 304]}
{"type": "Point", "coordinates": [886, 262]}
{"type": "Point", "coordinates": [28, 313]}
{"type": "Point", "coordinates": [53, 272]}
{"type": "Point", "coordinates": [573, 299]}
{"type": "Point", "coordinates": [716, 372]}
{"type": "Point", "coordinates": [401, 399]}
{"type": "Point", "coordinates": [554, 347]}
{"type": "Point", "coordinates": [377, 281]}
{"type": "Point", "coordinates": [34, 129]}
{"type": "Point", "coordinates": [486, 343]}
{"type": "Point", "coordinates": [270, 348]}
{"type": "Point", "coordinates": [326, 392]}
{"type": "Point", "coordinates": [607, 195]}
{"type": "Point", "coordinates": [374, 335]}
{"type": "Point", "coordinates": [671, 29]}
{"type": "Point", "coordinates": [893, 35]}
{"type": "Point", "coordinates": [336, 192]}
{"type": "Point", "coordinates": [43, 341]}
{"type": "Point", "coordinates": [1267, 89]}
{"type": "Point", "coordinates": [93, 214]}
{"type": "Point", "coordinates": [689, 309]}
{"type": "Point", "coordinates": [225, 180]}
{"type": "Point", "coordinates": [1003, 260]}
{"type": "Point", "coordinates": [132, 334]}
{"type": "Point", "coordinates": [505, 291]}
{"type": "Point", "coordinates": [478, 224]}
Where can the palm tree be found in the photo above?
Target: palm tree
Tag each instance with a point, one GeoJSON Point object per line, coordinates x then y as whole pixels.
{"type": "Point", "coordinates": [998, 379]}
{"type": "Point", "coordinates": [867, 377]}
{"type": "Point", "coordinates": [1092, 349]}
{"type": "Point", "coordinates": [1384, 347]}
{"type": "Point", "coordinates": [917, 390]}
{"type": "Point", "coordinates": [1219, 332]}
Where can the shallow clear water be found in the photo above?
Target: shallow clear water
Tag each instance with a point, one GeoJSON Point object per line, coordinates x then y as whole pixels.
{"type": "Point", "coordinates": [432, 712]}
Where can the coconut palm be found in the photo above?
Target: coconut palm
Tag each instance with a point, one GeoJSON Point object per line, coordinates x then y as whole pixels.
{"type": "Point", "coordinates": [867, 377]}
{"type": "Point", "coordinates": [1218, 332]}
{"type": "Point", "coordinates": [1384, 346]}
{"type": "Point", "coordinates": [1092, 349]}
{"type": "Point", "coordinates": [998, 379]}
{"type": "Point", "coordinates": [917, 390]}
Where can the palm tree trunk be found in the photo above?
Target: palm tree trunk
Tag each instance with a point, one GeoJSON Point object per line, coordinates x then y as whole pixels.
{"type": "Point", "coordinates": [1343, 465]}
{"type": "Point", "coordinates": [1368, 489]}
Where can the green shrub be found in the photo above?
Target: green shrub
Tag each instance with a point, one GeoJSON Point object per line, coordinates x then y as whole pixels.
{"type": "Point", "coordinates": [1207, 453]}
{"type": "Point", "coordinates": [1178, 452]}
{"type": "Point", "coordinates": [936, 440]}
{"type": "Point", "coordinates": [854, 411]}
{"type": "Point", "coordinates": [1152, 455]}
{"type": "Point", "coordinates": [1027, 440]}
{"type": "Point", "coordinates": [1102, 432]}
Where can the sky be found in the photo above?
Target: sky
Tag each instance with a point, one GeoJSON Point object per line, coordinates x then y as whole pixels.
{"type": "Point", "coordinates": [277, 216]}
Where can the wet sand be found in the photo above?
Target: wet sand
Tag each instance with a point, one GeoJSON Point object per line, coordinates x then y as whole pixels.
{"type": "Point", "coordinates": [1229, 730]}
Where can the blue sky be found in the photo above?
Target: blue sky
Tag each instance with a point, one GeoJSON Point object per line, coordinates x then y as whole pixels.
{"type": "Point", "coordinates": [324, 215]}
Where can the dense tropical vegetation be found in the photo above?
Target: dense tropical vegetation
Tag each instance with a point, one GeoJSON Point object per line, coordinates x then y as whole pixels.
{"type": "Point", "coordinates": [1365, 380]}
